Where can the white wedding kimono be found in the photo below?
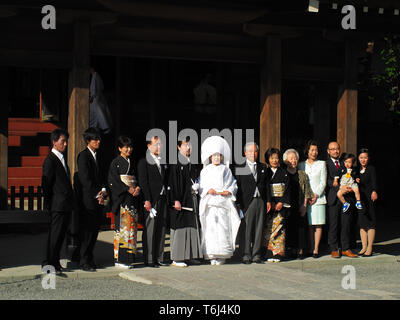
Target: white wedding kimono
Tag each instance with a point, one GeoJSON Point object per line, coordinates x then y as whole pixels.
{"type": "Point", "coordinates": [99, 114]}
{"type": "Point", "coordinates": [218, 215]}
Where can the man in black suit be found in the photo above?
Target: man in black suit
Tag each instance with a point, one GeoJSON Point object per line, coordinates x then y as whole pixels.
{"type": "Point", "coordinates": [152, 180]}
{"type": "Point", "coordinates": [58, 197]}
{"type": "Point", "coordinates": [93, 192]}
{"type": "Point", "coordinates": [254, 199]}
{"type": "Point", "coordinates": [338, 221]}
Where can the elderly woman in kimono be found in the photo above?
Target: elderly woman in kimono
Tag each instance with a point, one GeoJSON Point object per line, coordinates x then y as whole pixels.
{"type": "Point", "coordinates": [218, 215]}
{"type": "Point", "coordinates": [124, 195]}
{"type": "Point", "coordinates": [280, 204]}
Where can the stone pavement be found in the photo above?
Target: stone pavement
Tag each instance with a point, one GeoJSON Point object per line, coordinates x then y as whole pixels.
{"type": "Point", "coordinates": [377, 277]}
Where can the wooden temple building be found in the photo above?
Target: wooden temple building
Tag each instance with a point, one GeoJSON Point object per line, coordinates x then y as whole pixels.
{"type": "Point", "coordinates": [286, 69]}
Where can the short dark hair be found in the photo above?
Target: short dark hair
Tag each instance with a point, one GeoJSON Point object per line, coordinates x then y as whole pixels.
{"type": "Point", "coordinates": [91, 134]}
{"type": "Point", "coordinates": [270, 152]}
{"type": "Point", "coordinates": [187, 139]}
{"type": "Point", "coordinates": [346, 156]}
{"type": "Point", "coordinates": [57, 133]}
{"type": "Point", "coordinates": [124, 141]}
{"type": "Point", "coordinates": [149, 141]}
{"type": "Point", "coordinates": [308, 146]}
{"type": "Point", "coordinates": [363, 150]}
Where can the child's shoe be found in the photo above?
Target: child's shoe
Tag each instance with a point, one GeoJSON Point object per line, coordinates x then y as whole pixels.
{"type": "Point", "coordinates": [358, 205]}
{"type": "Point", "coordinates": [346, 207]}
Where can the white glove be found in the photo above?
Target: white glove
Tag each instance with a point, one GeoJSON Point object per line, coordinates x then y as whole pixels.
{"type": "Point", "coordinates": [153, 213]}
{"type": "Point", "coordinates": [196, 186]}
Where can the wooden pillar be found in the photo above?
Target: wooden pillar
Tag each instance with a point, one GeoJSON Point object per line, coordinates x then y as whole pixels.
{"type": "Point", "coordinates": [270, 94]}
{"type": "Point", "coordinates": [347, 105]}
{"type": "Point", "coordinates": [118, 95]}
{"type": "Point", "coordinates": [78, 109]}
{"type": "Point", "coordinates": [322, 119]}
{"type": "Point", "coordinates": [4, 105]}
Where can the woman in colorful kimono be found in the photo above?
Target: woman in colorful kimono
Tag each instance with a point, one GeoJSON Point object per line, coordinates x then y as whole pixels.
{"type": "Point", "coordinates": [218, 214]}
{"type": "Point", "coordinates": [124, 195]}
{"type": "Point", "coordinates": [280, 204]}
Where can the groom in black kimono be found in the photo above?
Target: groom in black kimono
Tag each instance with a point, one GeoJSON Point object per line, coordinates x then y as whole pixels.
{"type": "Point", "coordinates": [185, 237]}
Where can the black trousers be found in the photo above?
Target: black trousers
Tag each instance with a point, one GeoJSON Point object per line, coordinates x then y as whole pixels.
{"type": "Point", "coordinates": [339, 230]}
{"type": "Point", "coordinates": [89, 226]}
{"type": "Point", "coordinates": [154, 231]}
{"type": "Point", "coordinates": [252, 225]}
{"type": "Point", "coordinates": [57, 230]}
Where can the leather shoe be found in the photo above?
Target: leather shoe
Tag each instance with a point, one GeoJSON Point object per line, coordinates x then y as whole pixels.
{"type": "Point", "coordinates": [335, 254]}
{"type": "Point", "coordinates": [153, 265]}
{"type": "Point", "coordinates": [246, 261]}
{"type": "Point", "coordinates": [88, 267]}
{"type": "Point", "coordinates": [163, 264]}
{"type": "Point", "coordinates": [257, 260]}
{"type": "Point", "coordinates": [349, 254]}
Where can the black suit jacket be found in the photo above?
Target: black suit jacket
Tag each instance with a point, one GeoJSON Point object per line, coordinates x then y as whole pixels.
{"type": "Point", "coordinates": [150, 179]}
{"type": "Point", "coordinates": [91, 178]}
{"type": "Point", "coordinates": [56, 184]}
{"type": "Point", "coordinates": [333, 172]}
{"type": "Point", "coordinates": [247, 185]}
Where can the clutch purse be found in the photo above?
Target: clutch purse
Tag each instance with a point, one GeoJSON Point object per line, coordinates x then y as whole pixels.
{"type": "Point", "coordinates": [277, 189]}
{"type": "Point", "coordinates": [130, 181]}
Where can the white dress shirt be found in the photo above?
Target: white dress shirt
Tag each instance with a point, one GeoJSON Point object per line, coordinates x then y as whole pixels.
{"type": "Point", "coordinates": [157, 161]}
{"type": "Point", "coordinates": [61, 157]}
{"type": "Point", "coordinates": [253, 169]}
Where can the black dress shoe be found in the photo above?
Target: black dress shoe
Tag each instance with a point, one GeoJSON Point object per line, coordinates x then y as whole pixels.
{"type": "Point", "coordinates": [257, 260]}
{"type": "Point", "coordinates": [315, 255]}
{"type": "Point", "coordinates": [163, 264]}
{"type": "Point", "coordinates": [88, 268]}
{"type": "Point", "coordinates": [367, 255]}
{"type": "Point", "coordinates": [152, 265]}
{"type": "Point", "coordinates": [246, 261]}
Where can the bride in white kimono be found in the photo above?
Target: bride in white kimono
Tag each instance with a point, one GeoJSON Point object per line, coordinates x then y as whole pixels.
{"type": "Point", "coordinates": [218, 215]}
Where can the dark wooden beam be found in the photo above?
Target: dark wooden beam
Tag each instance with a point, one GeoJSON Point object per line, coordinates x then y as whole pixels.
{"type": "Point", "coordinates": [78, 110]}
{"type": "Point", "coordinates": [222, 14]}
{"type": "Point", "coordinates": [312, 73]}
{"type": "Point", "coordinates": [35, 58]}
{"type": "Point", "coordinates": [177, 51]}
{"type": "Point", "coordinates": [270, 94]}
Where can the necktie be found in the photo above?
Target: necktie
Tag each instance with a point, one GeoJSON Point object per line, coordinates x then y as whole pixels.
{"type": "Point", "coordinates": [337, 164]}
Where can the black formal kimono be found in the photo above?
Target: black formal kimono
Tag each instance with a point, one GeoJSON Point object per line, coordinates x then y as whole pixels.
{"type": "Point", "coordinates": [367, 185]}
{"type": "Point", "coordinates": [124, 206]}
{"type": "Point", "coordinates": [280, 192]}
{"type": "Point", "coordinates": [185, 236]}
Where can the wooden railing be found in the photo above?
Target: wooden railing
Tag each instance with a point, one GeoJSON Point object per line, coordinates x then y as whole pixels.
{"type": "Point", "coordinates": [31, 196]}
{"type": "Point", "coordinates": [25, 207]}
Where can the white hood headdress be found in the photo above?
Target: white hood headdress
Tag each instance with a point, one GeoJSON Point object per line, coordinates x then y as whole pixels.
{"type": "Point", "coordinates": [215, 144]}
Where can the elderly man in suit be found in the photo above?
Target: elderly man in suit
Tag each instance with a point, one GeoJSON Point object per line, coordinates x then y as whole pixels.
{"type": "Point", "coordinates": [92, 181]}
{"type": "Point", "coordinates": [153, 182]}
{"type": "Point", "coordinates": [58, 197]}
{"type": "Point", "coordinates": [254, 199]}
{"type": "Point", "coordinates": [338, 221]}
